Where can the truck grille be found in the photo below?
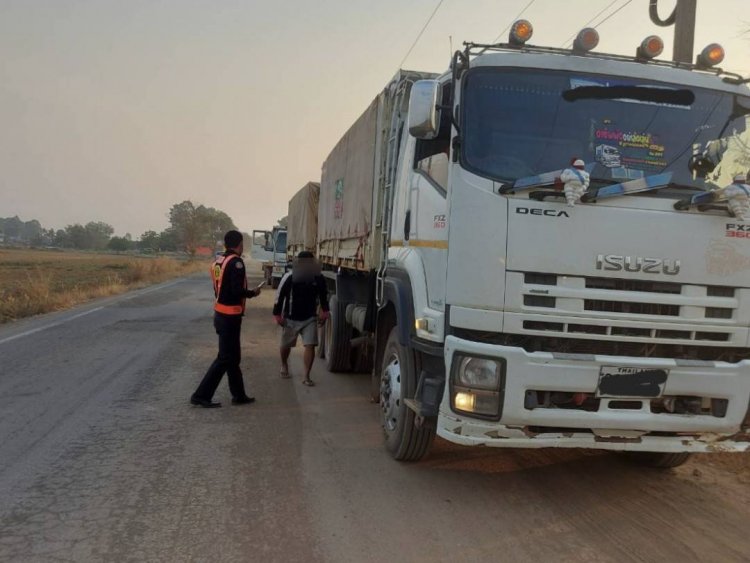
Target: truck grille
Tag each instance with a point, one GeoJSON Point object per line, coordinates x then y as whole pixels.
{"type": "Point", "coordinates": [627, 310]}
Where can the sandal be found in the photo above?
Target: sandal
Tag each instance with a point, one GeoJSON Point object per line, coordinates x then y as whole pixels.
{"type": "Point", "coordinates": [309, 382]}
{"type": "Point", "coordinates": [284, 373]}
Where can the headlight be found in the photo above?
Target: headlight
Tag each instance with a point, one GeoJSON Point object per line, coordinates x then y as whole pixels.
{"type": "Point", "coordinates": [477, 386]}
{"type": "Point", "coordinates": [479, 372]}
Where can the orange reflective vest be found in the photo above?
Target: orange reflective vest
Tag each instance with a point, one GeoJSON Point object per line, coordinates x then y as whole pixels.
{"type": "Point", "coordinates": [217, 276]}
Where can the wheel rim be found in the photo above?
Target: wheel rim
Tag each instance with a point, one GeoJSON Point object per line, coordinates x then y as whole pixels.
{"type": "Point", "coordinates": [390, 393]}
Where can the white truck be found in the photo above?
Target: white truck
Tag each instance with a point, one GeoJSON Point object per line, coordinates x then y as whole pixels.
{"type": "Point", "coordinates": [493, 314]}
{"type": "Point", "coordinates": [269, 248]}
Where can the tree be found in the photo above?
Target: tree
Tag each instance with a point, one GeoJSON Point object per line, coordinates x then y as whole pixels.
{"type": "Point", "coordinates": [31, 230]}
{"type": "Point", "coordinates": [195, 226]}
{"type": "Point", "coordinates": [12, 228]}
{"type": "Point", "coordinates": [76, 236]}
{"type": "Point", "coordinates": [98, 234]}
{"type": "Point", "coordinates": [168, 241]}
{"type": "Point", "coordinates": [119, 244]}
{"type": "Point", "coordinates": [184, 220]}
{"type": "Point", "coordinates": [149, 240]}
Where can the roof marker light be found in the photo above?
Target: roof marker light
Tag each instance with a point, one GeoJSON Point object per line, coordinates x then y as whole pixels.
{"type": "Point", "coordinates": [650, 48]}
{"type": "Point", "coordinates": [520, 32]}
{"type": "Point", "coordinates": [711, 55]}
{"type": "Point", "coordinates": [586, 40]}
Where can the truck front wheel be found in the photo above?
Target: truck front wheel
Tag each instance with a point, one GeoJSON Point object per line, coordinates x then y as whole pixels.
{"type": "Point", "coordinates": [659, 460]}
{"type": "Point", "coordinates": [404, 440]}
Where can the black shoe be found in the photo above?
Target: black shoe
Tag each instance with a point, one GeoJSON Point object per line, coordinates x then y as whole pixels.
{"type": "Point", "coordinates": [243, 400]}
{"type": "Point", "coordinates": [204, 403]}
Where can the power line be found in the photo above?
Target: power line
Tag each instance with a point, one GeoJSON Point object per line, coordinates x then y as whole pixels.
{"type": "Point", "coordinates": [507, 27]}
{"type": "Point", "coordinates": [599, 13]}
{"type": "Point", "coordinates": [419, 35]}
{"type": "Point", "coordinates": [613, 13]}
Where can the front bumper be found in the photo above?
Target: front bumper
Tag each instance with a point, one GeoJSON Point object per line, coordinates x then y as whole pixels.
{"type": "Point", "coordinates": [606, 428]}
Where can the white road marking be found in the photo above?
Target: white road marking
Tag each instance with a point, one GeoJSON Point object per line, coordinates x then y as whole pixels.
{"type": "Point", "coordinates": [79, 315]}
{"type": "Point", "coordinates": [51, 325]}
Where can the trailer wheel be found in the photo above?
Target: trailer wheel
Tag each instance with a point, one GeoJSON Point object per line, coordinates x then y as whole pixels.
{"type": "Point", "coordinates": [659, 460]}
{"type": "Point", "coordinates": [404, 440]}
{"type": "Point", "coordinates": [338, 338]}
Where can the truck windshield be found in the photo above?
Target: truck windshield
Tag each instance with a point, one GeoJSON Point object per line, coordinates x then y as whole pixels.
{"type": "Point", "coordinates": [518, 123]}
{"type": "Point", "coordinates": [281, 242]}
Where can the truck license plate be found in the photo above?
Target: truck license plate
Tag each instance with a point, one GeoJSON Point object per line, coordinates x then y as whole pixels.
{"type": "Point", "coordinates": [631, 382]}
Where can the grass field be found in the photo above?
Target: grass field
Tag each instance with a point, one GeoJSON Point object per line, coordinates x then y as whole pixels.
{"type": "Point", "coordinates": [40, 281]}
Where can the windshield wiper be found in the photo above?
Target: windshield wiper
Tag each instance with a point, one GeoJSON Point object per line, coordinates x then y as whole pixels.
{"type": "Point", "coordinates": [647, 184]}
{"type": "Point", "coordinates": [703, 201]}
{"type": "Point", "coordinates": [538, 181]}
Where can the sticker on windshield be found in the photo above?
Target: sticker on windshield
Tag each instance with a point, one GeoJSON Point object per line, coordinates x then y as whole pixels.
{"type": "Point", "coordinates": [626, 151]}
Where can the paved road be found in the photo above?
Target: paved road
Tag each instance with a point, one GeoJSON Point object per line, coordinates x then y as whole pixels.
{"type": "Point", "coordinates": [101, 459]}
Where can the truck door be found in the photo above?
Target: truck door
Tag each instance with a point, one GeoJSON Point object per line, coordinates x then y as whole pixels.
{"type": "Point", "coordinates": [262, 246]}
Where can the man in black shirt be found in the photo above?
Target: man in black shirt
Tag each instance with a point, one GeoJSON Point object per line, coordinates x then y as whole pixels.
{"type": "Point", "coordinates": [296, 310]}
{"type": "Point", "coordinates": [230, 290]}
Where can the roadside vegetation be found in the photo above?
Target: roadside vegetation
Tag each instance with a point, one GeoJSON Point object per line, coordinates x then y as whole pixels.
{"type": "Point", "coordinates": [40, 281]}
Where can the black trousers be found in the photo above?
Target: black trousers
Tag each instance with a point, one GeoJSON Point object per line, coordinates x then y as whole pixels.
{"type": "Point", "coordinates": [227, 361]}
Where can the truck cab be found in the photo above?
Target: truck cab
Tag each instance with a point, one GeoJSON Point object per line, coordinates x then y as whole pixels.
{"type": "Point", "coordinates": [547, 247]}
{"type": "Point", "coordinates": [508, 317]}
{"type": "Point", "coordinates": [269, 247]}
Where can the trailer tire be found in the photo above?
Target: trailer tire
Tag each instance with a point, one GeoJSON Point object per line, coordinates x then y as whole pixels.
{"type": "Point", "coordinates": [275, 282]}
{"type": "Point", "coordinates": [404, 439]}
{"type": "Point", "coordinates": [338, 338]}
{"type": "Point", "coordinates": [659, 460]}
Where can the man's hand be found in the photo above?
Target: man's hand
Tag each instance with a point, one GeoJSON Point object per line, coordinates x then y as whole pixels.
{"type": "Point", "coordinates": [256, 292]}
{"type": "Point", "coordinates": [279, 320]}
{"type": "Point", "coordinates": [324, 315]}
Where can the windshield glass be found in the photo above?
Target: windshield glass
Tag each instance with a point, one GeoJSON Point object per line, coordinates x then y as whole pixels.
{"type": "Point", "coordinates": [519, 123]}
{"type": "Point", "coordinates": [281, 242]}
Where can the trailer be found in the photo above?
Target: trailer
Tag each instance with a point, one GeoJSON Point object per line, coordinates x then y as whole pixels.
{"type": "Point", "coordinates": [302, 221]}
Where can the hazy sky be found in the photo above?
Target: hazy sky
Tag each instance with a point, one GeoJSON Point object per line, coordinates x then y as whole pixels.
{"type": "Point", "coordinates": [114, 109]}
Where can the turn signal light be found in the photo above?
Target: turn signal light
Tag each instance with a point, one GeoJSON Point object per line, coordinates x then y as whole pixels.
{"type": "Point", "coordinates": [650, 48]}
{"type": "Point", "coordinates": [586, 40]}
{"type": "Point", "coordinates": [711, 55]}
{"type": "Point", "coordinates": [520, 32]}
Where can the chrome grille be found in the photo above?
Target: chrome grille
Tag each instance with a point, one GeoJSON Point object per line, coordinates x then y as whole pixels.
{"type": "Point", "coordinates": [632, 310]}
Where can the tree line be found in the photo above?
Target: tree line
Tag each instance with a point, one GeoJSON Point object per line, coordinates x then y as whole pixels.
{"type": "Point", "coordinates": [190, 227]}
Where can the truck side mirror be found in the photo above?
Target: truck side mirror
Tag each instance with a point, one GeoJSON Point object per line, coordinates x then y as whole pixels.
{"type": "Point", "coordinates": [424, 119]}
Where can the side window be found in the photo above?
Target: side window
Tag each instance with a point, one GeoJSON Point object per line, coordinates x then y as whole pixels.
{"type": "Point", "coordinates": [431, 157]}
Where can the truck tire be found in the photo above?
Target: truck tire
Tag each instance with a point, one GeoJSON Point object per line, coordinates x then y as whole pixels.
{"type": "Point", "coordinates": [268, 276]}
{"type": "Point", "coordinates": [404, 440]}
{"type": "Point", "coordinates": [659, 460]}
{"type": "Point", "coordinates": [338, 338]}
{"type": "Point", "coordinates": [322, 341]}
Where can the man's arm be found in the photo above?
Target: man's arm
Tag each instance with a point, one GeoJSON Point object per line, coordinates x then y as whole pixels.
{"type": "Point", "coordinates": [236, 279]}
{"type": "Point", "coordinates": [323, 293]}
{"type": "Point", "coordinates": [282, 294]}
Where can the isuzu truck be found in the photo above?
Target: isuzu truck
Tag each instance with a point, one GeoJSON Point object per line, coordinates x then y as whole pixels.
{"type": "Point", "coordinates": [493, 312]}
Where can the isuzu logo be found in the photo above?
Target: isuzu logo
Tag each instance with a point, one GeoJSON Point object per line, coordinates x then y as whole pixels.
{"type": "Point", "coordinates": [615, 263]}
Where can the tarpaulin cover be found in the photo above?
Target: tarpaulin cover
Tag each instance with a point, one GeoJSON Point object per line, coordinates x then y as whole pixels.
{"type": "Point", "coordinates": [346, 185]}
{"type": "Point", "coordinates": [302, 226]}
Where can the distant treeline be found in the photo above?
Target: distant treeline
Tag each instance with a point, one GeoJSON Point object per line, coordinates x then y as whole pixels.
{"type": "Point", "coordinates": [190, 227]}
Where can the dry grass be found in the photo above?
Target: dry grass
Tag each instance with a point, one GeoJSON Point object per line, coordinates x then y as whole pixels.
{"type": "Point", "coordinates": [36, 281]}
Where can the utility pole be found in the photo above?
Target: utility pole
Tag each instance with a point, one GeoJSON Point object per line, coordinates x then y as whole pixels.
{"type": "Point", "coordinates": [683, 19]}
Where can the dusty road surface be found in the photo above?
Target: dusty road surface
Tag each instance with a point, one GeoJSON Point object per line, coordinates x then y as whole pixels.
{"type": "Point", "coordinates": [102, 459]}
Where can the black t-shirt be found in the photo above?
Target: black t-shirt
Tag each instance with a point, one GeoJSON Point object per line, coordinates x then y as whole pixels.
{"type": "Point", "coordinates": [298, 300]}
